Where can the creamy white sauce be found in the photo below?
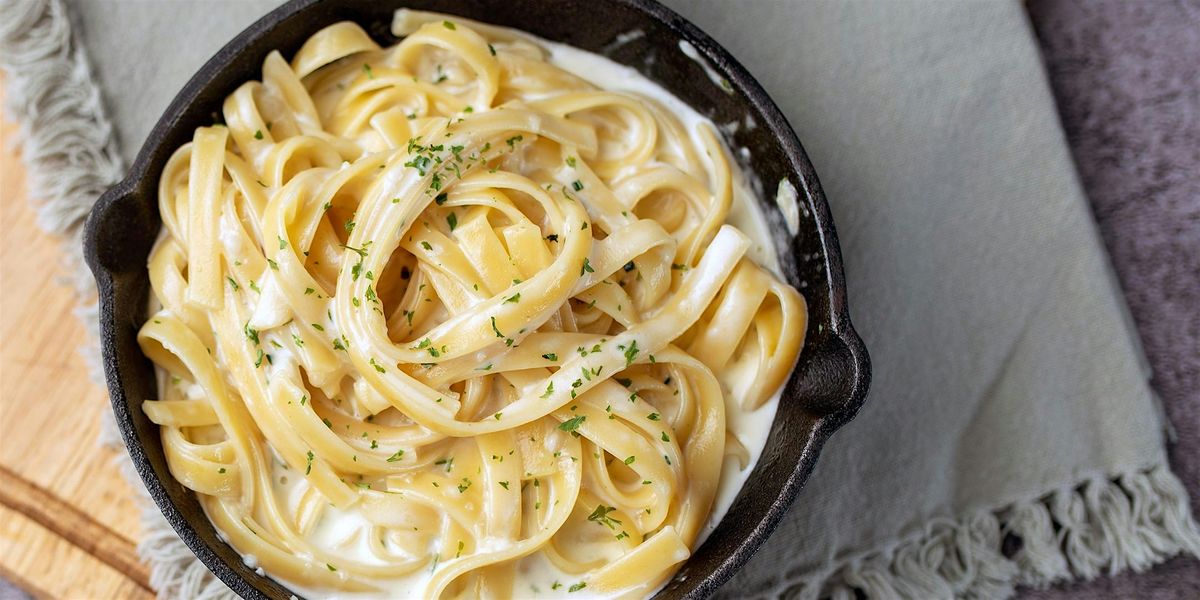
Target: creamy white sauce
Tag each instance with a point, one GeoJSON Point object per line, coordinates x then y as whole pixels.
{"type": "Point", "coordinates": [194, 391]}
{"type": "Point", "coordinates": [691, 52]}
{"type": "Point", "coordinates": [271, 310]}
{"type": "Point", "coordinates": [624, 38]}
{"type": "Point", "coordinates": [536, 575]}
{"type": "Point", "coordinates": [230, 235]}
{"type": "Point", "coordinates": [785, 199]}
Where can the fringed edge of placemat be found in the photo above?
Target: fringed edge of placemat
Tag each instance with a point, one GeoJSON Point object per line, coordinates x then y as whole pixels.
{"type": "Point", "coordinates": [65, 136]}
{"type": "Point", "coordinates": [1103, 526]}
{"type": "Point", "coordinates": [71, 158]}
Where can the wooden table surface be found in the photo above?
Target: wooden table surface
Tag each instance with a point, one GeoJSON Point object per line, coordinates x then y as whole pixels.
{"type": "Point", "coordinates": [68, 523]}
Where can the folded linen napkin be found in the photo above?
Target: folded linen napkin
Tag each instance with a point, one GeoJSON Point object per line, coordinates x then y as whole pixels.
{"type": "Point", "coordinates": [1010, 436]}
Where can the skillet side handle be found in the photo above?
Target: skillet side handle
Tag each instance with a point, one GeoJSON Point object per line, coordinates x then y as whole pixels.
{"type": "Point", "coordinates": [835, 377]}
{"type": "Point", "coordinates": [93, 225]}
{"type": "Point", "coordinates": [120, 231]}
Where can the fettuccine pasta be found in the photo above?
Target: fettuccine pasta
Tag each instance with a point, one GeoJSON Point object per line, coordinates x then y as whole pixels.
{"type": "Point", "coordinates": [444, 319]}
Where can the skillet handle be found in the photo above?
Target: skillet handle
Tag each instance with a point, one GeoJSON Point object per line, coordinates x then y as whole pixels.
{"type": "Point", "coordinates": [835, 377]}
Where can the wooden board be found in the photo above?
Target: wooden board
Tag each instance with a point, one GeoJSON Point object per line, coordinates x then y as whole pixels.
{"type": "Point", "coordinates": [68, 525]}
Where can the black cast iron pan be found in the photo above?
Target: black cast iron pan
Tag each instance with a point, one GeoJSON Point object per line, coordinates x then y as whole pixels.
{"type": "Point", "coordinates": [825, 391]}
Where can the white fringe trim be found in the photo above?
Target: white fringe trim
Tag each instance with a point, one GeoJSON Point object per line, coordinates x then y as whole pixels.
{"type": "Point", "coordinates": [71, 157]}
{"type": "Point", "coordinates": [1103, 526]}
{"type": "Point", "coordinates": [66, 138]}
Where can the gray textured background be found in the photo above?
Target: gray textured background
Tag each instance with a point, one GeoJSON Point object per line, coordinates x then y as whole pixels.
{"type": "Point", "coordinates": [1126, 75]}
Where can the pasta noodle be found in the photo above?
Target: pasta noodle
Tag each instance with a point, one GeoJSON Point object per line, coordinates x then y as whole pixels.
{"type": "Point", "coordinates": [446, 320]}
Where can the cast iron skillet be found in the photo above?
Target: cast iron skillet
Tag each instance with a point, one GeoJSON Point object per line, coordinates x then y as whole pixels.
{"type": "Point", "coordinates": [825, 391]}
